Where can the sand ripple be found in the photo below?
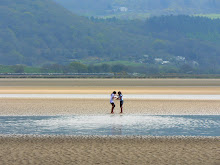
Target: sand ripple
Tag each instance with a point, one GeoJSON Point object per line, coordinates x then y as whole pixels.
{"type": "Point", "coordinates": [109, 150]}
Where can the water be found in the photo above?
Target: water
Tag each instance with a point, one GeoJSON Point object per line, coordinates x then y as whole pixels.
{"type": "Point", "coordinates": [104, 96]}
{"type": "Point", "coordinates": [112, 125]}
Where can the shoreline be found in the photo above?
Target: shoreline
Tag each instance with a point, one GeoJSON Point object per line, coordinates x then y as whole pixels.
{"type": "Point", "coordinates": [123, 137]}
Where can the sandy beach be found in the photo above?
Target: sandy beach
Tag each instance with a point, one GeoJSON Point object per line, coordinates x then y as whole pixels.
{"type": "Point", "coordinates": [54, 106]}
{"type": "Point", "coordinates": [110, 82]}
{"type": "Point", "coordinates": [106, 86]}
{"type": "Point", "coordinates": [108, 90]}
{"type": "Point", "coordinates": [44, 107]}
{"type": "Point", "coordinates": [18, 150]}
{"type": "Point", "coordinates": [48, 150]}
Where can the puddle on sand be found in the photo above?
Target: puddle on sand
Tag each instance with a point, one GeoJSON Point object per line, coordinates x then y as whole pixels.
{"type": "Point", "coordinates": [112, 125]}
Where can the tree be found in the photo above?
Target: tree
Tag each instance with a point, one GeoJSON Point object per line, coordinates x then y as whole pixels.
{"type": "Point", "coordinates": [77, 67]}
{"type": "Point", "coordinates": [19, 69]}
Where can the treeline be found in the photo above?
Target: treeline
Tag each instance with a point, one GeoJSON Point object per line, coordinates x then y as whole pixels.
{"type": "Point", "coordinates": [153, 7]}
{"type": "Point", "coordinates": [77, 67]}
{"type": "Point", "coordinates": [195, 38]}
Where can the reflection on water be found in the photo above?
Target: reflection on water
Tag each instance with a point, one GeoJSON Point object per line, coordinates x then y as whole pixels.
{"type": "Point", "coordinates": [112, 125]}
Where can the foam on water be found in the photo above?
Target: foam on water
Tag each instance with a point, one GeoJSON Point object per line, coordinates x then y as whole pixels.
{"type": "Point", "coordinates": [112, 125]}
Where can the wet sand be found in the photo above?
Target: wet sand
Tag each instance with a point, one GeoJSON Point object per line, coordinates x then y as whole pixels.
{"type": "Point", "coordinates": [109, 82]}
{"type": "Point", "coordinates": [108, 90]}
{"type": "Point", "coordinates": [109, 150]}
{"type": "Point", "coordinates": [106, 86]}
{"type": "Point", "coordinates": [44, 107]}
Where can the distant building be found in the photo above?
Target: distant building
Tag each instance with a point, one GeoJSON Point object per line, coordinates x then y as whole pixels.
{"type": "Point", "coordinates": [180, 58]}
{"type": "Point", "coordinates": [123, 9]}
{"type": "Point", "coordinates": [158, 60]}
{"type": "Point", "coordinates": [165, 62]}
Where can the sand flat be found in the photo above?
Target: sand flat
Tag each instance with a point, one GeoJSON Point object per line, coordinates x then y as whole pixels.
{"type": "Point", "coordinates": [48, 150]}
{"type": "Point", "coordinates": [44, 107]}
{"type": "Point", "coordinates": [109, 82]}
{"type": "Point", "coordinates": [108, 90]}
{"type": "Point", "coordinates": [106, 86]}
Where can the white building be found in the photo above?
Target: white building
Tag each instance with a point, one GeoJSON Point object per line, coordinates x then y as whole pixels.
{"type": "Point", "coordinates": [158, 60]}
{"type": "Point", "coordinates": [165, 62]}
{"type": "Point", "coordinates": [180, 58]}
{"type": "Point", "coordinates": [123, 9]}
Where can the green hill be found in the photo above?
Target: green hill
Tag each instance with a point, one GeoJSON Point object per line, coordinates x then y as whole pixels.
{"type": "Point", "coordinates": [33, 32]}
{"type": "Point", "coordinates": [41, 32]}
{"type": "Point", "coordinates": [140, 8]}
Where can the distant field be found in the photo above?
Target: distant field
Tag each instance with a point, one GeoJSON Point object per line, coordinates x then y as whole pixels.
{"type": "Point", "coordinates": [126, 63]}
{"type": "Point", "coordinates": [128, 16]}
{"type": "Point", "coordinates": [212, 16]}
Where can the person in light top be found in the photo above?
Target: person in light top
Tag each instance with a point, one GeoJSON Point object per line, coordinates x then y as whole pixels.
{"type": "Point", "coordinates": [112, 101]}
{"type": "Point", "coordinates": [120, 97]}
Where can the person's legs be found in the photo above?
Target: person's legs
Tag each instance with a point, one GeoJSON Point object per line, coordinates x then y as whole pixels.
{"type": "Point", "coordinates": [113, 106]}
{"type": "Point", "coordinates": [121, 106]}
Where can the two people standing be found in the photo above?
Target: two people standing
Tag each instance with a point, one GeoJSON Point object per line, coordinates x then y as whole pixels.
{"type": "Point", "coordinates": [119, 97]}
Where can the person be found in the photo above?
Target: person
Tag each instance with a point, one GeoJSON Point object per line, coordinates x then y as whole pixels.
{"type": "Point", "coordinates": [112, 101]}
{"type": "Point", "coordinates": [120, 97]}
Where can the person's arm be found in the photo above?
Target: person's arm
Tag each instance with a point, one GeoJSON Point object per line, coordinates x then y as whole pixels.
{"type": "Point", "coordinates": [119, 97]}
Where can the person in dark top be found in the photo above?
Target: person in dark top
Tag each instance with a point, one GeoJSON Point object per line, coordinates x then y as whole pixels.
{"type": "Point", "coordinates": [120, 97]}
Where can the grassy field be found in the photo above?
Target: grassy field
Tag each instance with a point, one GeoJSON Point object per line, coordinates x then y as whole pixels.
{"type": "Point", "coordinates": [212, 16]}
{"type": "Point", "coordinates": [128, 16]}
{"type": "Point", "coordinates": [126, 63]}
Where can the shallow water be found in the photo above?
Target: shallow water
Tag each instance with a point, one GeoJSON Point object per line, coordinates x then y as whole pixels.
{"type": "Point", "coordinates": [112, 125]}
{"type": "Point", "coordinates": [103, 96]}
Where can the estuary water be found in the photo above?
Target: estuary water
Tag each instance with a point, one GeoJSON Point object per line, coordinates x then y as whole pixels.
{"type": "Point", "coordinates": [112, 125]}
{"type": "Point", "coordinates": [104, 96]}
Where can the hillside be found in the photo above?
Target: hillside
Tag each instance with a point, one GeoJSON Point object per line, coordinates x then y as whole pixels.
{"type": "Point", "coordinates": [40, 32]}
{"type": "Point", "coordinates": [140, 8]}
{"type": "Point", "coordinates": [32, 32]}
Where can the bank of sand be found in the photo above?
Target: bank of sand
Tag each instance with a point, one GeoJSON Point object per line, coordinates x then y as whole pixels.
{"type": "Point", "coordinates": [109, 150]}
{"type": "Point", "coordinates": [109, 90]}
{"type": "Point", "coordinates": [44, 107]}
{"type": "Point", "coordinates": [16, 150]}
{"type": "Point", "coordinates": [102, 150]}
{"type": "Point", "coordinates": [109, 82]}
{"type": "Point", "coordinates": [106, 86]}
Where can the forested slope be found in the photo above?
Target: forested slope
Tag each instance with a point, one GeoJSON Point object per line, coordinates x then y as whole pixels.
{"type": "Point", "coordinates": [38, 32]}
{"type": "Point", "coordinates": [41, 32]}
{"type": "Point", "coordinates": [136, 7]}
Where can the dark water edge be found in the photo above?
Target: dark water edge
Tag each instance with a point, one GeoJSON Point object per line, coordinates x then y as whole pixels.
{"type": "Point", "coordinates": [112, 125]}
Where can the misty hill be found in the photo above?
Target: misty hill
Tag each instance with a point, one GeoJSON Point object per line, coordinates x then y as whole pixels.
{"type": "Point", "coordinates": [140, 8]}
{"type": "Point", "coordinates": [41, 32]}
